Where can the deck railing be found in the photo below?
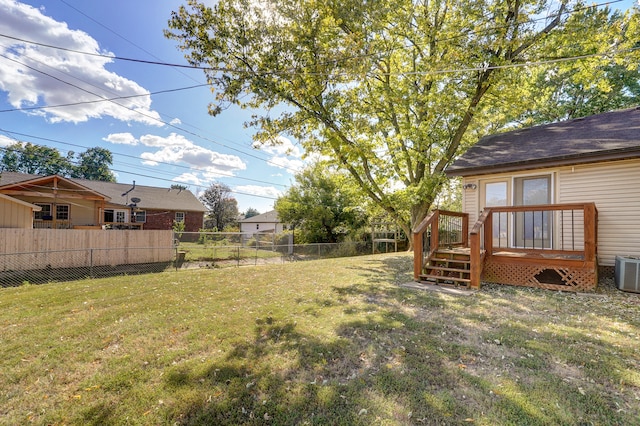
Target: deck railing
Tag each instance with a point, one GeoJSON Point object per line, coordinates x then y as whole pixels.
{"type": "Point", "coordinates": [548, 229]}
{"type": "Point", "coordinates": [51, 224]}
{"type": "Point", "coordinates": [439, 228]}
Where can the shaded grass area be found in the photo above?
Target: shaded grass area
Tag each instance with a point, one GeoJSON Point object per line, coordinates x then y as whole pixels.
{"type": "Point", "coordinates": [326, 342]}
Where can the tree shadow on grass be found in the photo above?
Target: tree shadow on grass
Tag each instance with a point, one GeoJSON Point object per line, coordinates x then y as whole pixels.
{"type": "Point", "coordinates": [360, 377]}
{"type": "Point", "coordinates": [407, 357]}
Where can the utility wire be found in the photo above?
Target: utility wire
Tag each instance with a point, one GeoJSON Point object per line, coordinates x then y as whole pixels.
{"type": "Point", "coordinates": [13, 135]}
{"type": "Point", "coordinates": [289, 71]}
{"type": "Point", "coordinates": [121, 36]}
{"type": "Point", "coordinates": [105, 99]}
{"type": "Point", "coordinates": [173, 181]}
{"type": "Point", "coordinates": [169, 124]}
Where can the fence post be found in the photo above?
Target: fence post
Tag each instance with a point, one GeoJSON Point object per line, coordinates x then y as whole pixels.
{"type": "Point", "coordinates": [255, 261]}
{"type": "Point", "coordinates": [91, 262]}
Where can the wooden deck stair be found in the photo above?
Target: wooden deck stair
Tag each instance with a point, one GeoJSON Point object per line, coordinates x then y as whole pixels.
{"type": "Point", "coordinates": [448, 266]}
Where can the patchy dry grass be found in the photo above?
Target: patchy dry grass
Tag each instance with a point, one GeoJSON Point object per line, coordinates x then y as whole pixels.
{"type": "Point", "coordinates": [324, 342]}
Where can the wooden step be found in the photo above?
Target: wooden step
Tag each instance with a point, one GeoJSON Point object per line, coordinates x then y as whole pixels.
{"type": "Point", "coordinates": [442, 259]}
{"type": "Point", "coordinates": [447, 269]}
{"type": "Point", "coordinates": [439, 279]}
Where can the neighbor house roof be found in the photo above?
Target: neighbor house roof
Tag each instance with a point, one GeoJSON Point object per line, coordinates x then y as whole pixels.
{"type": "Point", "coordinates": [609, 136]}
{"type": "Point", "coordinates": [268, 217]}
{"type": "Point", "coordinates": [12, 183]}
{"type": "Point", "coordinates": [151, 197]}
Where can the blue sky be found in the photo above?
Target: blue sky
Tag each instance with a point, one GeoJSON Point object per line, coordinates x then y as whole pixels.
{"type": "Point", "coordinates": [157, 139]}
{"type": "Point", "coordinates": [186, 146]}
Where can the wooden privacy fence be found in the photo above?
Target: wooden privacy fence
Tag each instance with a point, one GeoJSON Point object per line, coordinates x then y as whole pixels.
{"type": "Point", "coordinates": [46, 248]}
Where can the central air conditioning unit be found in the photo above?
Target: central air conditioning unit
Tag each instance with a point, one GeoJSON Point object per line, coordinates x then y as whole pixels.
{"type": "Point", "coordinates": [628, 273]}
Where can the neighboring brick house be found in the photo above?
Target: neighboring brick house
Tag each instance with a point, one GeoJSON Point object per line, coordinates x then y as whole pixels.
{"type": "Point", "coordinates": [79, 203]}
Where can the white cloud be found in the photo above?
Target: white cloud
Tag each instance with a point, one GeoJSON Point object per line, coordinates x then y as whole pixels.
{"type": "Point", "coordinates": [26, 87]}
{"type": "Point", "coordinates": [188, 178]}
{"type": "Point", "coordinates": [265, 191]}
{"type": "Point", "coordinates": [291, 165]}
{"type": "Point", "coordinates": [121, 139]}
{"type": "Point", "coordinates": [175, 122]}
{"type": "Point", "coordinates": [284, 154]}
{"type": "Point", "coordinates": [5, 141]}
{"type": "Point", "coordinates": [180, 150]}
{"type": "Point", "coordinates": [281, 146]}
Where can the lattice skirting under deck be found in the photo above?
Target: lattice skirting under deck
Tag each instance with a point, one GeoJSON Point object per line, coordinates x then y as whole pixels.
{"type": "Point", "coordinates": [539, 276]}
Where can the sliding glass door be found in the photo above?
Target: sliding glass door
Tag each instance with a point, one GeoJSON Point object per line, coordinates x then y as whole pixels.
{"type": "Point", "coordinates": [533, 228]}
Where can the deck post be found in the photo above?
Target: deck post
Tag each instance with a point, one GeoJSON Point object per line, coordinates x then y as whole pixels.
{"type": "Point", "coordinates": [418, 255]}
{"type": "Point", "coordinates": [465, 231]}
{"type": "Point", "coordinates": [488, 234]}
{"type": "Point", "coordinates": [434, 242]}
{"type": "Point", "coordinates": [590, 226]}
{"type": "Point", "coordinates": [474, 247]}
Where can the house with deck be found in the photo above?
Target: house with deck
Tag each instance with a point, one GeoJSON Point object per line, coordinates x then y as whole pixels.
{"type": "Point", "coordinates": [550, 206]}
{"type": "Point", "coordinates": [57, 202]}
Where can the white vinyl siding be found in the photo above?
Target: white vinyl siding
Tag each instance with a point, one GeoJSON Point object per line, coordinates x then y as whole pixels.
{"type": "Point", "coordinates": [470, 200]}
{"type": "Point", "coordinates": [613, 187]}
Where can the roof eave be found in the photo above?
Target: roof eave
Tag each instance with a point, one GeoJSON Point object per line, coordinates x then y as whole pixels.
{"type": "Point", "coordinates": [572, 160]}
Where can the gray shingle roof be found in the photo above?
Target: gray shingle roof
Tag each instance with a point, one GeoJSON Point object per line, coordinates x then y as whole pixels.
{"type": "Point", "coordinates": [151, 197]}
{"type": "Point", "coordinates": [608, 136]}
{"type": "Point", "coordinates": [268, 217]}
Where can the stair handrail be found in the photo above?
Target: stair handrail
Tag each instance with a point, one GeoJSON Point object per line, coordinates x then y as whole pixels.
{"type": "Point", "coordinates": [418, 241]}
{"type": "Point", "coordinates": [482, 226]}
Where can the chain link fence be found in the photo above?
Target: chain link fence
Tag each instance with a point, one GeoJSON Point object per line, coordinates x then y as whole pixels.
{"type": "Point", "coordinates": [65, 265]}
{"type": "Point", "coordinates": [223, 249]}
{"type": "Point", "coordinates": [189, 251]}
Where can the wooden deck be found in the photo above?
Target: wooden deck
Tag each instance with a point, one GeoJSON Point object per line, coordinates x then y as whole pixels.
{"type": "Point", "coordinates": [445, 252]}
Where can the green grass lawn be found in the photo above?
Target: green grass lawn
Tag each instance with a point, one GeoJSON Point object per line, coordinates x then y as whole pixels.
{"type": "Point", "coordinates": [323, 342]}
{"type": "Point", "coordinates": [195, 252]}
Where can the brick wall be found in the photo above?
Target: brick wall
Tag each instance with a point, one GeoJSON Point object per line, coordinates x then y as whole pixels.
{"type": "Point", "coordinates": [164, 220]}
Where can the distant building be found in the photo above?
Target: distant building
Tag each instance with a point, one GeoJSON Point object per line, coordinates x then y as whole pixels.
{"type": "Point", "coordinates": [263, 223]}
{"type": "Point", "coordinates": [65, 203]}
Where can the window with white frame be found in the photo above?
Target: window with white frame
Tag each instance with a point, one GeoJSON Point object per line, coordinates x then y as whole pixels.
{"type": "Point", "coordinates": [140, 216]}
{"type": "Point", "coordinates": [179, 216]}
{"type": "Point", "coordinates": [62, 212]}
{"type": "Point", "coordinates": [112, 215]}
{"type": "Point", "coordinates": [120, 216]}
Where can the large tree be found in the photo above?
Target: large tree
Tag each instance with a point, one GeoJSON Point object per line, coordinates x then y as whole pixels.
{"type": "Point", "coordinates": [394, 90]}
{"type": "Point", "coordinates": [222, 207]}
{"type": "Point", "coordinates": [323, 205]}
{"type": "Point", "coordinates": [35, 159]}
{"type": "Point", "coordinates": [93, 164]}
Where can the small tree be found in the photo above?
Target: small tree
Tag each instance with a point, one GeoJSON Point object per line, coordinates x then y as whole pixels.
{"type": "Point", "coordinates": [178, 228]}
{"type": "Point", "coordinates": [251, 212]}
{"type": "Point", "coordinates": [323, 205]}
{"type": "Point", "coordinates": [223, 208]}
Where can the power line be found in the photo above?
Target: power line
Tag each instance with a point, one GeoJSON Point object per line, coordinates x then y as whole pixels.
{"type": "Point", "coordinates": [104, 100]}
{"type": "Point", "coordinates": [12, 134]}
{"type": "Point", "coordinates": [245, 71]}
{"type": "Point", "coordinates": [121, 36]}
{"type": "Point", "coordinates": [169, 124]}
{"type": "Point", "coordinates": [173, 181]}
